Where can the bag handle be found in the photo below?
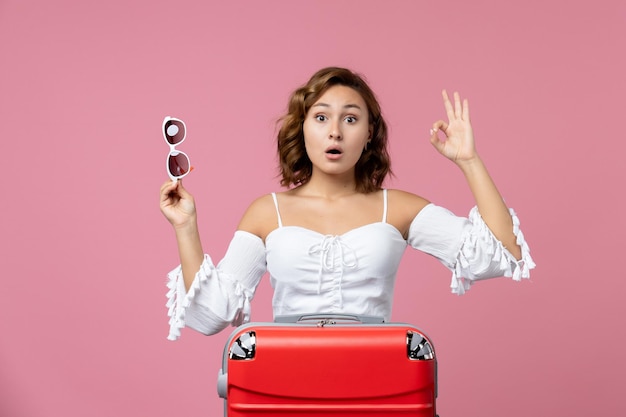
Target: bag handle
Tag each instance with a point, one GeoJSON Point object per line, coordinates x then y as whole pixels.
{"type": "Point", "coordinates": [322, 318]}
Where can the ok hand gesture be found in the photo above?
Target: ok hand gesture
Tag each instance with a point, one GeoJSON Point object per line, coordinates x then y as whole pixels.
{"type": "Point", "coordinates": [458, 144]}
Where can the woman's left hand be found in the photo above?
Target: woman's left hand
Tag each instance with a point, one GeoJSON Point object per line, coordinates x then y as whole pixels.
{"type": "Point", "coordinates": [458, 145]}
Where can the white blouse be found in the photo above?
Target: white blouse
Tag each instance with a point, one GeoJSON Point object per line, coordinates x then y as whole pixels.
{"type": "Point", "coordinates": [352, 273]}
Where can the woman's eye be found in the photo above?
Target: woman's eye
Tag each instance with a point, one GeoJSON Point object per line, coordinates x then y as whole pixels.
{"type": "Point", "coordinates": [320, 118]}
{"type": "Point", "coordinates": [350, 119]}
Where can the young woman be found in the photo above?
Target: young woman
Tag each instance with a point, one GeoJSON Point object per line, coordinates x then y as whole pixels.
{"type": "Point", "coordinates": [332, 242]}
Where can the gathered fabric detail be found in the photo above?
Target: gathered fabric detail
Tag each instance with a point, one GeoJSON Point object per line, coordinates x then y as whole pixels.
{"type": "Point", "coordinates": [244, 295]}
{"type": "Point", "coordinates": [480, 243]}
{"type": "Point", "coordinates": [333, 254]}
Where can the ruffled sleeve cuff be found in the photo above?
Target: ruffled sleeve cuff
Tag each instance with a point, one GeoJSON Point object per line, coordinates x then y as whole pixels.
{"type": "Point", "coordinates": [483, 256]}
{"type": "Point", "coordinates": [178, 300]}
{"type": "Point", "coordinates": [219, 295]}
{"type": "Point", "coordinates": [467, 247]}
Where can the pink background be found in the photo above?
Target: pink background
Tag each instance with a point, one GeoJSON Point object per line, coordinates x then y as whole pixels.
{"type": "Point", "coordinates": [85, 85]}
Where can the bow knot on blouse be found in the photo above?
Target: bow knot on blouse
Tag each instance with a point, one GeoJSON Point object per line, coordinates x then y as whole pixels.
{"type": "Point", "coordinates": [334, 255]}
{"type": "Point", "coordinates": [244, 295]}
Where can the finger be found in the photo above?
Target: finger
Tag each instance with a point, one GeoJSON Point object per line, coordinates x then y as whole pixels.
{"type": "Point", "coordinates": [163, 197]}
{"type": "Point", "coordinates": [448, 105]}
{"type": "Point", "coordinates": [458, 111]}
{"type": "Point", "coordinates": [435, 141]}
{"type": "Point", "coordinates": [166, 188]}
{"type": "Point", "coordinates": [169, 185]}
{"type": "Point", "coordinates": [466, 112]}
{"type": "Point", "coordinates": [181, 188]}
{"type": "Point", "coordinates": [182, 191]}
{"type": "Point", "coordinates": [437, 126]}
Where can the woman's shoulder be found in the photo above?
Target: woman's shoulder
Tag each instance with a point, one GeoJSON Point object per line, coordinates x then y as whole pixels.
{"type": "Point", "coordinates": [403, 207]}
{"type": "Point", "coordinates": [406, 199]}
{"type": "Point", "coordinates": [260, 217]}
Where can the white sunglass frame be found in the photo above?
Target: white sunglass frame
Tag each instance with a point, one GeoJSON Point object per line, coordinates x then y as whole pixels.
{"type": "Point", "coordinates": [173, 151]}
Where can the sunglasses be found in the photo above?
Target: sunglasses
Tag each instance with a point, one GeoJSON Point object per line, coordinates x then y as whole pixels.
{"type": "Point", "coordinates": [174, 132]}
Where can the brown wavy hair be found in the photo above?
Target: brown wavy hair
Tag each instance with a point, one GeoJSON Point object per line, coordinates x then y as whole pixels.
{"type": "Point", "coordinates": [296, 167]}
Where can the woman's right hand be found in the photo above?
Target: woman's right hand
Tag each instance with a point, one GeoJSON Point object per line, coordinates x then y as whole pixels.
{"type": "Point", "coordinates": [177, 204]}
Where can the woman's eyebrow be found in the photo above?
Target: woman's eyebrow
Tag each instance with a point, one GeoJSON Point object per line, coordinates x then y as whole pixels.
{"type": "Point", "coordinates": [347, 106]}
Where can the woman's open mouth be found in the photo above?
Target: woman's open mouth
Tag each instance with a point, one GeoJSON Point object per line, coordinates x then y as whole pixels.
{"type": "Point", "coordinates": [333, 153]}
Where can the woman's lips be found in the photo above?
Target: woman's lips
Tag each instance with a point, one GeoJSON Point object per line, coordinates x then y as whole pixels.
{"type": "Point", "coordinates": [333, 153]}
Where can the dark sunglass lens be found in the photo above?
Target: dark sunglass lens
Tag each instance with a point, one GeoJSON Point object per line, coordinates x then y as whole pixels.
{"type": "Point", "coordinates": [178, 164]}
{"type": "Point", "coordinates": [174, 132]}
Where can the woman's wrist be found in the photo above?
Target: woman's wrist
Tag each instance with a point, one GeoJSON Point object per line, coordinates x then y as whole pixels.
{"type": "Point", "coordinates": [187, 229]}
{"type": "Point", "coordinates": [470, 166]}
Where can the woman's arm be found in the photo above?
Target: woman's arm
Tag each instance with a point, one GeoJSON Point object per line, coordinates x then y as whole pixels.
{"type": "Point", "coordinates": [202, 295]}
{"type": "Point", "coordinates": [459, 147]}
{"type": "Point", "coordinates": [178, 206]}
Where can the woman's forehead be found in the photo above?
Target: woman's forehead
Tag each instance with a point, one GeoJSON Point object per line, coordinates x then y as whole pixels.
{"type": "Point", "coordinates": [341, 96]}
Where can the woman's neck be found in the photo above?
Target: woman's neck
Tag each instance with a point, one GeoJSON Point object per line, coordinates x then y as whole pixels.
{"type": "Point", "coordinates": [328, 187]}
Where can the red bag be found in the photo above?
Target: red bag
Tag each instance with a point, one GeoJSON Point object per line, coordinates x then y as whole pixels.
{"type": "Point", "coordinates": [325, 364]}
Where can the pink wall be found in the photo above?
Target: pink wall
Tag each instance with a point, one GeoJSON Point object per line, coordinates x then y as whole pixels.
{"type": "Point", "coordinates": [84, 87]}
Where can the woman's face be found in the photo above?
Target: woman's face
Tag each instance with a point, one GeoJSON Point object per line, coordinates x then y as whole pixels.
{"type": "Point", "coordinates": [336, 129]}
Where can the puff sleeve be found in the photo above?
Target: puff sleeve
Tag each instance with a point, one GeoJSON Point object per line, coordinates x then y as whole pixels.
{"type": "Point", "coordinates": [219, 295]}
{"type": "Point", "coordinates": [467, 247]}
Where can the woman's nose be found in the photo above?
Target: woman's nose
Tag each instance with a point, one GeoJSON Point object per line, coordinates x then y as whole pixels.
{"type": "Point", "coordinates": [335, 131]}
